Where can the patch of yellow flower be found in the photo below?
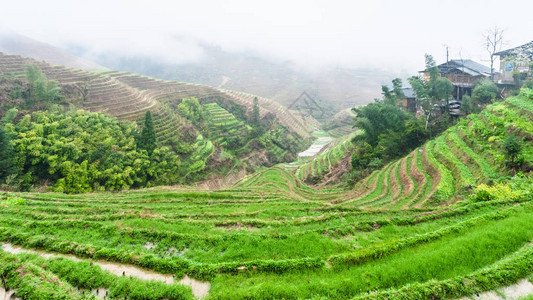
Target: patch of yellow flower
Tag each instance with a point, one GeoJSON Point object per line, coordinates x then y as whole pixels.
{"type": "Point", "coordinates": [502, 191]}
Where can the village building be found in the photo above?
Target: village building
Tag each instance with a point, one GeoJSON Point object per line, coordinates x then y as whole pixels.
{"type": "Point", "coordinates": [409, 102]}
{"type": "Point", "coordinates": [516, 65]}
{"type": "Point", "coordinates": [463, 73]}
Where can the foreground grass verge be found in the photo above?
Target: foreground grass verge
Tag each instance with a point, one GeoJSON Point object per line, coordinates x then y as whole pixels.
{"type": "Point", "coordinates": [451, 256]}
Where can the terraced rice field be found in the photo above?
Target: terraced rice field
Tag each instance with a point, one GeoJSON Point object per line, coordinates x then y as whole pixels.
{"type": "Point", "coordinates": [267, 237]}
{"type": "Point", "coordinates": [326, 160]}
{"type": "Point", "coordinates": [411, 230]}
{"type": "Point", "coordinates": [128, 96]}
{"type": "Point", "coordinates": [223, 124]}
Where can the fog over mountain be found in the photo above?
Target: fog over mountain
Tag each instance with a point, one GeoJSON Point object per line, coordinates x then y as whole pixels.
{"type": "Point", "coordinates": [338, 51]}
{"type": "Point", "coordinates": [11, 42]}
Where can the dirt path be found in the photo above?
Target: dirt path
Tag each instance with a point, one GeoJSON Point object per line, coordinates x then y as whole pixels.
{"type": "Point", "coordinates": [6, 295]}
{"type": "Point", "coordinates": [199, 288]}
{"type": "Point", "coordinates": [513, 292]}
{"type": "Point", "coordinates": [225, 79]}
{"type": "Point", "coordinates": [417, 175]}
{"type": "Point", "coordinates": [335, 172]}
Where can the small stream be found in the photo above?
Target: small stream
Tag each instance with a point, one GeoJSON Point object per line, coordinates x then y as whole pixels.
{"type": "Point", "coordinates": [199, 288]}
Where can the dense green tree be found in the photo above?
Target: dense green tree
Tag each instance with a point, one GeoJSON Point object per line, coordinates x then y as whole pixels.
{"type": "Point", "coordinates": [10, 116]}
{"type": "Point", "coordinates": [528, 84]}
{"type": "Point", "coordinates": [467, 106]}
{"type": "Point", "coordinates": [80, 152]}
{"type": "Point", "coordinates": [40, 88]}
{"type": "Point", "coordinates": [485, 91]}
{"type": "Point", "coordinates": [258, 129]}
{"type": "Point", "coordinates": [148, 140]}
{"type": "Point", "coordinates": [394, 96]}
{"type": "Point", "coordinates": [377, 118]}
{"type": "Point", "coordinates": [7, 156]}
{"type": "Point", "coordinates": [387, 131]}
{"type": "Point", "coordinates": [192, 110]}
{"type": "Point", "coordinates": [432, 90]}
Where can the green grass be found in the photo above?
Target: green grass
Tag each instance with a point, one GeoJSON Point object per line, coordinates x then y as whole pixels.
{"type": "Point", "coordinates": [270, 236]}
{"type": "Point", "coordinates": [445, 188]}
{"type": "Point", "coordinates": [442, 259]}
{"type": "Point", "coordinates": [466, 178]}
{"type": "Point", "coordinates": [329, 158]}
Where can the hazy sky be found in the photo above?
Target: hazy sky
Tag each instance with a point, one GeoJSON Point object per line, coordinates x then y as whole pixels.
{"type": "Point", "coordinates": [383, 33]}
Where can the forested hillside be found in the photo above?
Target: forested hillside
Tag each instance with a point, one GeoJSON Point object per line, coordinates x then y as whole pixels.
{"type": "Point", "coordinates": [212, 132]}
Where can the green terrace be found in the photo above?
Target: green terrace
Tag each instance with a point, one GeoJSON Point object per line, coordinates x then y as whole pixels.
{"type": "Point", "coordinates": [223, 124]}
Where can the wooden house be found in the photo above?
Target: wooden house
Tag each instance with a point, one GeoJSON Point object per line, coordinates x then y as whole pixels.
{"type": "Point", "coordinates": [409, 102]}
{"type": "Point", "coordinates": [463, 73]}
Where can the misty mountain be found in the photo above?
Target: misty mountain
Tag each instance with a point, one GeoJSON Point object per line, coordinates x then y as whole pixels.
{"type": "Point", "coordinates": [334, 88]}
{"type": "Point", "coordinates": [16, 44]}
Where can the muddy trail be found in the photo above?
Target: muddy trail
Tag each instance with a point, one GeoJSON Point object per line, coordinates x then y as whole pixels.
{"type": "Point", "coordinates": [513, 292]}
{"type": "Point", "coordinates": [7, 295]}
{"type": "Point", "coordinates": [199, 288]}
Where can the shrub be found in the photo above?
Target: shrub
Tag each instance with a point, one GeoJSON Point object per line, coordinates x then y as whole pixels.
{"type": "Point", "coordinates": [512, 146]}
{"type": "Point", "coordinates": [484, 91]}
{"type": "Point", "coordinates": [483, 195]}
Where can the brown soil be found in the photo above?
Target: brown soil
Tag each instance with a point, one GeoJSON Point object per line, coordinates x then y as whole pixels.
{"type": "Point", "coordinates": [433, 173]}
{"type": "Point", "coordinates": [395, 188]}
{"type": "Point", "coordinates": [363, 189]}
{"type": "Point", "coordinates": [416, 174]}
{"type": "Point", "coordinates": [237, 226]}
{"type": "Point", "coordinates": [221, 182]}
{"type": "Point", "coordinates": [404, 177]}
{"type": "Point", "coordinates": [335, 172]}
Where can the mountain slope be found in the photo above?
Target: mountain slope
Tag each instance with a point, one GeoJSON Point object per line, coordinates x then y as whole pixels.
{"type": "Point", "coordinates": [128, 96]}
{"type": "Point", "coordinates": [443, 222]}
{"type": "Point", "coordinates": [446, 168]}
{"type": "Point", "coordinates": [16, 44]}
{"type": "Point", "coordinates": [333, 87]}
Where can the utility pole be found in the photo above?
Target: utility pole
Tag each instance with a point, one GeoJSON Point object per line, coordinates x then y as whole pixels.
{"type": "Point", "coordinates": [447, 55]}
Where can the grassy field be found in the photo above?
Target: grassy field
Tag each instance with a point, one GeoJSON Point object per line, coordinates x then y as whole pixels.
{"type": "Point", "coordinates": [418, 228]}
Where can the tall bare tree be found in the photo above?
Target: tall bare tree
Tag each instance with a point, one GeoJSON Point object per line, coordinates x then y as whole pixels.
{"type": "Point", "coordinates": [493, 43]}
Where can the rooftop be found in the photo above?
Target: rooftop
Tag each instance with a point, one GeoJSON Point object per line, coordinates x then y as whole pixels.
{"type": "Point", "coordinates": [524, 52]}
{"type": "Point", "coordinates": [409, 93]}
{"type": "Point", "coordinates": [467, 66]}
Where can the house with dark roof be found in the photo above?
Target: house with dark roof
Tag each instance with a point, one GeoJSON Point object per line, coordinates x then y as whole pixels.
{"type": "Point", "coordinates": [409, 102]}
{"type": "Point", "coordinates": [515, 64]}
{"type": "Point", "coordinates": [463, 73]}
